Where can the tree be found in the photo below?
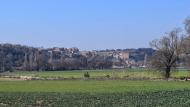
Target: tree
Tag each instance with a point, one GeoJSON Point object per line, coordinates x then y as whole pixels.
{"type": "Point", "coordinates": [187, 25]}
{"type": "Point", "coordinates": [187, 42]}
{"type": "Point", "coordinates": [42, 61]}
{"type": "Point", "coordinates": [168, 49]}
{"type": "Point", "coordinates": [187, 28]}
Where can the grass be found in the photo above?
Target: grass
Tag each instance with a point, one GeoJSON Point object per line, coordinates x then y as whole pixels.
{"type": "Point", "coordinates": [92, 86]}
{"type": "Point", "coordinates": [93, 74]}
{"type": "Point", "coordinates": [180, 74]}
{"type": "Point", "coordinates": [123, 73]}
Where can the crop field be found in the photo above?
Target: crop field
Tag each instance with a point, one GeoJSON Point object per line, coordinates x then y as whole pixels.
{"type": "Point", "coordinates": [85, 93]}
{"type": "Point", "coordinates": [151, 99]}
{"type": "Point", "coordinates": [94, 93]}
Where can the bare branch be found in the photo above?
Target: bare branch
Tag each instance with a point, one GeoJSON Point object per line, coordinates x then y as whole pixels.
{"type": "Point", "coordinates": [169, 47]}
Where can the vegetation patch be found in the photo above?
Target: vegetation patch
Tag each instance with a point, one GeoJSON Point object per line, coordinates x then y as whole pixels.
{"type": "Point", "coordinates": [122, 74]}
{"type": "Point", "coordinates": [144, 99]}
{"type": "Point", "coordinates": [92, 86]}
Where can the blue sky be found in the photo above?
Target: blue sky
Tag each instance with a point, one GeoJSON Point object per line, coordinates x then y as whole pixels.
{"type": "Point", "coordinates": [89, 24]}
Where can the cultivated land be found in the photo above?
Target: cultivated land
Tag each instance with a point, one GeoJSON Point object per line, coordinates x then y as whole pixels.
{"type": "Point", "coordinates": [135, 92]}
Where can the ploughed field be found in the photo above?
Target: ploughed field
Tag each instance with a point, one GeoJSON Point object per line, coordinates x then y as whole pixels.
{"type": "Point", "coordinates": [94, 93]}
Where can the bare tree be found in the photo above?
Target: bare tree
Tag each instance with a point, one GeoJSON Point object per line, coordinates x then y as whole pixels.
{"type": "Point", "coordinates": [187, 28]}
{"type": "Point", "coordinates": [168, 49]}
{"type": "Point", "coordinates": [187, 25]}
{"type": "Point", "coordinates": [186, 44]}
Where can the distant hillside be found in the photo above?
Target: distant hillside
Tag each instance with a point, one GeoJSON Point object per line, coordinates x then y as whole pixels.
{"type": "Point", "coordinates": [18, 57]}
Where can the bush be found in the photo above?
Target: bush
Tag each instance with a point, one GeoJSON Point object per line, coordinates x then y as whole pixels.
{"type": "Point", "coordinates": [86, 75]}
{"type": "Point", "coordinates": [107, 76]}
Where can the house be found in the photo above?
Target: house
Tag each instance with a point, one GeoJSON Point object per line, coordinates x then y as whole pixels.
{"type": "Point", "coordinates": [124, 55]}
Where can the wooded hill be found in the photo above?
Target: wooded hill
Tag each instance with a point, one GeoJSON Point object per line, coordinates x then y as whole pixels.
{"type": "Point", "coordinates": [18, 57]}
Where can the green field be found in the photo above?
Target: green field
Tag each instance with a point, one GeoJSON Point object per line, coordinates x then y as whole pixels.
{"type": "Point", "coordinates": [124, 73]}
{"type": "Point", "coordinates": [95, 93]}
{"type": "Point", "coordinates": [151, 99]}
{"type": "Point", "coordinates": [92, 86]}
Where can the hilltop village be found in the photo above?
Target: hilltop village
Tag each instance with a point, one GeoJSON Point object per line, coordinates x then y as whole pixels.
{"type": "Point", "coordinates": [17, 57]}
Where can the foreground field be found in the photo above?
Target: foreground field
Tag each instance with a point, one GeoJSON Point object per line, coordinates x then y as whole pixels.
{"type": "Point", "coordinates": [87, 93]}
{"type": "Point", "coordinates": [144, 99]}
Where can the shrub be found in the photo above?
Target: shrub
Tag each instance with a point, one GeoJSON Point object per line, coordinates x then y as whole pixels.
{"type": "Point", "coordinates": [86, 75]}
{"type": "Point", "coordinates": [107, 76]}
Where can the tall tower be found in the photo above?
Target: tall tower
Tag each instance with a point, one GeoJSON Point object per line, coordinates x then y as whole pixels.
{"type": "Point", "coordinates": [25, 64]}
{"type": "Point", "coordinates": [51, 57]}
{"type": "Point", "coordinates": [51, 60]}
{"type": "Point", "coordinates": [62, 56]}
{"type": "Point", "coordinates": [145, 60]}
{"type": "Point", "coordinates": [31, 60]}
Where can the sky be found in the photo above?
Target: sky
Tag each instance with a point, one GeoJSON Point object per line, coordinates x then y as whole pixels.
{"type": "Point", "coordinates": [89, 24]}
